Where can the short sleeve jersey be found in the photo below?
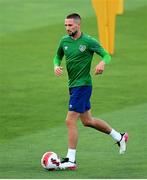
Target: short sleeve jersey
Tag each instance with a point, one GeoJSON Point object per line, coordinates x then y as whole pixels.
{"type": "Point", "coordinates": [78, 55]}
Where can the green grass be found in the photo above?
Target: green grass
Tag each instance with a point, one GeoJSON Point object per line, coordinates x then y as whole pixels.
{"type": "Point", "coordinates": [33, 102]}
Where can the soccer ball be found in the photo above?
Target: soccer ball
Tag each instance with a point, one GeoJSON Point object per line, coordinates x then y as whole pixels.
{"type": "Point", "coordinates": [50, 161]}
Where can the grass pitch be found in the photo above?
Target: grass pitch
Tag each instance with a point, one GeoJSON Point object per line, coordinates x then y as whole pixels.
{"type": "Point", "coordinates": [33, 102]}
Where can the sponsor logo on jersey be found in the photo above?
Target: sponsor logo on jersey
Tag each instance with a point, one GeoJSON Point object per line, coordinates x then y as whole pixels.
{"type": "Point", "coordinates": [65, 47]}
{"type": "Point", "coordinates": [82, 48]}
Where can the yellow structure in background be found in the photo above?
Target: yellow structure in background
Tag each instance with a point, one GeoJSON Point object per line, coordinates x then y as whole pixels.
{"type": "Point", "coordinates": [106, 11]}
{"type": "Point", "coordinates": [120, 9]}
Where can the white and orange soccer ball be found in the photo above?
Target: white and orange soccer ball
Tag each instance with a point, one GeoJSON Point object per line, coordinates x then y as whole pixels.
{"type": "Point", "coordinates": [50, 161]}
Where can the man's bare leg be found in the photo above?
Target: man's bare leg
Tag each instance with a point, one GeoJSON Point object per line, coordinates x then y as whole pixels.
{"type": "Point", "coordinates": [95, 123]}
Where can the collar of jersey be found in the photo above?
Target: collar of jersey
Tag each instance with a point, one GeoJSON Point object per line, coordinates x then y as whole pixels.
{"type": "Point", "coordinates": [77, 38]}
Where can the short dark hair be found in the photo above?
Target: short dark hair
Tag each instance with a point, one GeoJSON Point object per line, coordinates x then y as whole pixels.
{"type": "Point", "coordinates": [74, 16]}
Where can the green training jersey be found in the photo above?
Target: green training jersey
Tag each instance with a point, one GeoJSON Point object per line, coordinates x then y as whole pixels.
{"type": "Point", "coordinates": [78, 55]}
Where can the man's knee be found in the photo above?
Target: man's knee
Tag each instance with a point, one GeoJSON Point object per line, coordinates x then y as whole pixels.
{"type": "Point", "coordinates": [71, 119]}
{"type": "Point", "coordinates": [86, 122]}
{"type": "Point", "coordinates": [69, 122]}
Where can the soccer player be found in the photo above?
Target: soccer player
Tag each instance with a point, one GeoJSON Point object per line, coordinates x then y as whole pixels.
{"type": "Point", "coordinates": [78, 49]}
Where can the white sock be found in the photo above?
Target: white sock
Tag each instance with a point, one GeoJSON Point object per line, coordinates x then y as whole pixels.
{"type": "Point", "coordinates": [115, 135]}
{"type": "Point", "coordinates": [71, 154]}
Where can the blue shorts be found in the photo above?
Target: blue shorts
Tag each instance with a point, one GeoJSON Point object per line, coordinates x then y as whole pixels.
{"type": "Point", "coordinates": [80, 98]}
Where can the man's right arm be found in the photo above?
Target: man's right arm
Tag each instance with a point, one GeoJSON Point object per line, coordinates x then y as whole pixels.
{"type": "Point", "coordinates": [57, 68]}
{"type": "Point", "coordinates": [57, 60]}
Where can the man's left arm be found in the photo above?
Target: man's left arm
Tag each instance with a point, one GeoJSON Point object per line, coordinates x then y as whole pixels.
{"type": "Point", "coordinates": [106, 58]}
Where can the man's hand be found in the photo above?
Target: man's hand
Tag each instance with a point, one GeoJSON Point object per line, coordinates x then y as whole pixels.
{"type": "Point", "coordinates": [58, 70]}
{"type": "Point", "coordinates": [100, 68]}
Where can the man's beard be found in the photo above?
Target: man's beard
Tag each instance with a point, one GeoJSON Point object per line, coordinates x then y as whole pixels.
{"type": "Point", "coordinates": [73, 33]}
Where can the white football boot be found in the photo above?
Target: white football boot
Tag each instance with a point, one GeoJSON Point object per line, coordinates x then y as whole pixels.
{"type": "Point", "coordinates": [66, 164]}
{"type": "Point", "coordinates": [122, 143]}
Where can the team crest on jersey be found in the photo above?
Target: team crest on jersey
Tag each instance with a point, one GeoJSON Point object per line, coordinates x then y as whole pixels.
{"type": "Point", "coordinates": [82, 48]}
